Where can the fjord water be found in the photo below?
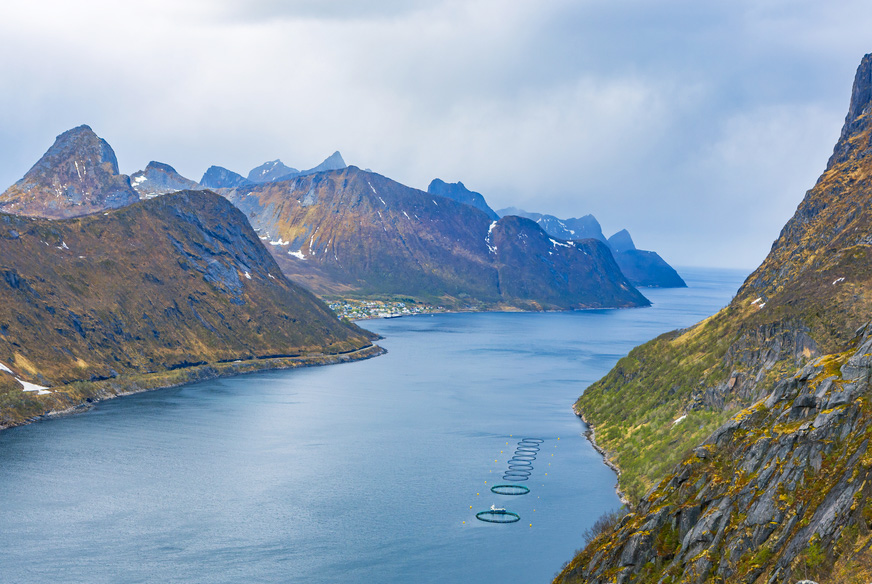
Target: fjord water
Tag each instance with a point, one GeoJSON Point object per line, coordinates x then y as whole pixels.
{"type": "Point", "coordinates": [362, 472]}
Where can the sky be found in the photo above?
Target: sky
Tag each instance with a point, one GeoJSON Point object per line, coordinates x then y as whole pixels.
{"type": "Point", "coordinates": [697, 126]}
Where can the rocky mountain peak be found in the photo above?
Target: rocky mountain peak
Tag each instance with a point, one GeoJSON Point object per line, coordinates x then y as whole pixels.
{"type": "Point", "coordinates": [159, 179]}
{"type": "Point", "coordinates": [861, 94]}
{"type": "Point", "coordinates": [218, 177]}
{"type": "Point", "coordinates": [332, 162]}
{"type": "Point", "coordinates": [78, 175]}
{"type": "Point", "coordinates": [270, 171]}
{"type": "Point", "coordinates": [160, 167]}
{"type": "Point", "coordinates": [460, 193]}
{"type": "Point", "coordinates": [621, 241]}
{"type": "Point", "coordinates": [857, 120]}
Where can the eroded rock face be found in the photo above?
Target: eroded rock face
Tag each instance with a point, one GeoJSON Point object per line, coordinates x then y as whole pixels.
{"type": "Point", "coordinates": [780, 491]}
{"type": "Point", "coordinates": [77, 176]}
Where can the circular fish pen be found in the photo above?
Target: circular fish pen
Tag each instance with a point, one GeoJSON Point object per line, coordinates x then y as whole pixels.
{"type": "Point", "coordinates": [510, 489]}
{"type": "Point", "coordinates": [521, 463]}
{"type": "Point", "coordinates": [497, 516]}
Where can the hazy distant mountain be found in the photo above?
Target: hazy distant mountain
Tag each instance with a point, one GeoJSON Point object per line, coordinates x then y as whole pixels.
{"type": "Point", "coordinates": [573, 228]}
{"type": "Point", "coordinates": [78, 175]}
{"type": "Point", "coordinates": [643, 268]}
{"type": "Point", "coordinates": [350, 231]}
{"type": "Point", "coordinates": [159, 179]}
{"type": "Point", "coordinates": [332, 162]}
{"type": "Point", "coordinates": [460, 193]}
{"type": "Point", "coordinates": [217, 177]}
{"type": "Point", "coordinates": [270, 171]}
{"type": "Point", "coordinates": [621, 241]}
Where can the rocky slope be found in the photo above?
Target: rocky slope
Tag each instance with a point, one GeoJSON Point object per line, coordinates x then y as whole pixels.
{"type": "Point", "coordinates": [356, 232]}
{"type": "Point", "coordinates": [159, 179]}
{"type": "Point", "coordinates": [781, 492]}
{"type": "Point", "coordinates": [807, 298]}
{"type": "Point", "coordinates": [461, 194]}
{"type": "Point", "coordinates": [76, 176]}
{"type": "Point", "coordinates": [165, 290]}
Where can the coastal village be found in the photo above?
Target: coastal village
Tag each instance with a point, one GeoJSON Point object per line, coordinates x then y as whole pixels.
{"type": "Point", "coordinates": [368, 309]}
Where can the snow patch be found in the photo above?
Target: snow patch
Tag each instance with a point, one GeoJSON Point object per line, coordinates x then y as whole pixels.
{"type": "Point", "coordinates": [758, 301]}
{"type": "Point", "coordinates": [5, 368]}
{"type": "Point", "coordinates": [140, 179]}
{"type": "Point", "coordinates": [407, 216]}
{"type": "Point", "coordinates": [297, 254]}
{"type": "Point", "coordinates": [680, 419]}
{"type": "Point", "coordinates": [556, 243]}
{"type": "Point", "coordinates": [27, 386]}
{"type": "Point", "coordinates": [280, 241]}
{"type": "Point", "coordinates": [247, 275]}
{"type": "Point", "coordinates": [492, 248]}
{"type": "Point", "coordinates": [836, 281]}
{"type": "Point", "coordinates": [383, 201]}
{"type": "Point", "coordinates": [373, 188]}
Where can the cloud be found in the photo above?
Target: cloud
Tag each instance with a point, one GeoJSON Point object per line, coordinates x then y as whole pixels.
{"type": "Point", "coordinates": [671, 119]}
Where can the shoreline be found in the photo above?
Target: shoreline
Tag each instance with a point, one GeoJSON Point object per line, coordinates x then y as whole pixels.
{"type": "Point", "coordinates": [81, 396]}
{"type": "Point", "coordinates": [590, 434]}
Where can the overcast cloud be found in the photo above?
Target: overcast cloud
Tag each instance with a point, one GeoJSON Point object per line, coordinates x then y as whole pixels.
{"type": "Point", "coordinates": [696, 125]}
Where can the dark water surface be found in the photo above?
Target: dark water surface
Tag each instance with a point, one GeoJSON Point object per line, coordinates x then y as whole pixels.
{"type": "Point", "coordinates": [363, 472]}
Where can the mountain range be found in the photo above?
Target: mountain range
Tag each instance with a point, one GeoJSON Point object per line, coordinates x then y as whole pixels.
{"type": "Point", "coordinates": [154, 293]}
{"type": "Point", "coordinates": [743, 441]}
{"type": "Point", "coordinates": [433, 246]}
{"type": "Point", "coordinates": [641, 267]}
{"type": "Point", "coordinates": [355, 231]}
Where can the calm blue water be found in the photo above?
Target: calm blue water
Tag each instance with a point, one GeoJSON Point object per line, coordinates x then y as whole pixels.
{"type": "Point", "coordinates": [364, 472]}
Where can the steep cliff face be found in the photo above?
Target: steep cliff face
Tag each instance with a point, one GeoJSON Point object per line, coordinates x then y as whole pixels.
{"type": "Point", "coordinates": [351, 231]}
{"type": "Point", "coordinates": [78, 175]}
{"type": "Point", "coordinates": [163, 285]}
{"type": "Point", "coordinates": [781, 492]}
{"type": "Point", "coordinates": [805, 300]}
